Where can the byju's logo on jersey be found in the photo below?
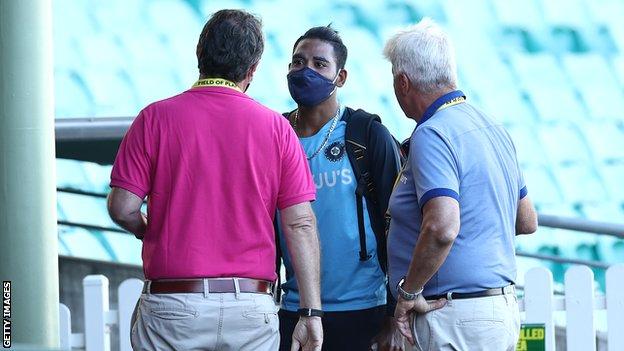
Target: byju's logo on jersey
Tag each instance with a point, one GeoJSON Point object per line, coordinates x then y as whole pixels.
{"type": "Point", "coordinates": [335, 151]}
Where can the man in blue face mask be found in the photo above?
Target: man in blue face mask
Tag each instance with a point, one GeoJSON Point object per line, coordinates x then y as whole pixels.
{"type": "Point", "coordinates": [354, 161]}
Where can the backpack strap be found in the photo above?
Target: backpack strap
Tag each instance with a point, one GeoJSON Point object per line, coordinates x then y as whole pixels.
{"type": "Point", "coordinates": [356, 140]}
{"type": "Point", "coordinates": [278, 262]}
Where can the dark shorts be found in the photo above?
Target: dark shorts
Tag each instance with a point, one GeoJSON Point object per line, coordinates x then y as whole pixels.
{"type": "Point", "coordinates": [345, 330]}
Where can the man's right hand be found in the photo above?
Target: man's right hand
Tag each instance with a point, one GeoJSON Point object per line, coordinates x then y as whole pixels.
{"type": "Point", "coordinates": [308, 334]}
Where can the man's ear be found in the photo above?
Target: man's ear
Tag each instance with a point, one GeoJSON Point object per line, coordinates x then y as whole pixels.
{"type": "Point", "coordinates": [342, 78]}
{"type": "Point", "coordinates": [403, 84]}
{"type": "Point", "coordinates": [251, 71]}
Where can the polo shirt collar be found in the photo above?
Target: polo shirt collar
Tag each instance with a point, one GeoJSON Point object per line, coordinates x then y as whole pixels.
{"type": "Point", "coordinates": [433, 108]}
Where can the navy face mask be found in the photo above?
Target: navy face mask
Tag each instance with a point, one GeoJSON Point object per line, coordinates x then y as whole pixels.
{"type": "Point", "coordinates": [308, 87]}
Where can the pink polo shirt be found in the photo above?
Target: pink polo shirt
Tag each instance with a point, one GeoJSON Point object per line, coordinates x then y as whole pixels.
{"type": "Point", "coordinates": [215, 165]}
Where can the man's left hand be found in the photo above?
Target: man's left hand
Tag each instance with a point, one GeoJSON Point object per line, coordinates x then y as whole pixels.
{"type": "Point", "coordinates": [405, 308]}
{"type": "Point", "coordinates": [389, 338]}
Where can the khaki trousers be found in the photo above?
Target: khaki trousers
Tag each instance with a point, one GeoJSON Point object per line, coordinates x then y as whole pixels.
{"type": "Point", "coordinates": [483, 324]}
{"type": "Point", "coordinates": [213, 321]}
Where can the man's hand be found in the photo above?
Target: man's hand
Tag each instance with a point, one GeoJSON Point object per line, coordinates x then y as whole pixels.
{"type": "Point", "coordinates": [405, 308]}
{"type": "Point", "coordinates": [389, 338]}
{"type": "Point", "coordinates": [308, 334]}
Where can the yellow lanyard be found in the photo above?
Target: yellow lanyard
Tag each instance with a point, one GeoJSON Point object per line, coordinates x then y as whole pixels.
{"type": "Point", "coordinates": [216, 82]}
{"type": "Point", "coordinates": [453, 102]}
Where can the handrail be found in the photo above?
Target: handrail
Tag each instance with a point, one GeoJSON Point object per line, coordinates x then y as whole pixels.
{"type": "Point", "coordinates": [81, 192]}
{"type": "Point", "coordinates": [593, 264]}
{"type": "Point", "coordinates": [582, 225]}
{"type": "Point", "coordinates": [91, 227]}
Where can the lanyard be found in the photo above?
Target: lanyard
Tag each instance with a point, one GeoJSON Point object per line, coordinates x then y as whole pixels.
{"type": "Point", "coordinates": [452, 102]}
{"type": "Point", "coordinates": [216, 82]}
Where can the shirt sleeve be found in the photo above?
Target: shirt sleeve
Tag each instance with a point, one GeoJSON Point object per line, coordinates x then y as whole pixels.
{"type": "Point", "coordinates": [296, 184]}
{"type": "Point", "coordinates": [434, 165]}
{"type": "Point", "coordinates": [521, 182]}
{"type": "Point", "coordinates": [132, 167]}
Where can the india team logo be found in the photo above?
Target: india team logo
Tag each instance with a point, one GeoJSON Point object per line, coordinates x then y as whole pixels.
{"type": "Point", "coordinates": [335, 151]}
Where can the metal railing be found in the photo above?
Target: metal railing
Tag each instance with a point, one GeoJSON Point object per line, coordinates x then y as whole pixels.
{"type": "Point", "coordinates": [579, 225]}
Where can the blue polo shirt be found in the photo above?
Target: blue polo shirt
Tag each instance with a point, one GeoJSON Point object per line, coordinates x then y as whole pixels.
{"type": "Point", "coordinates": [461, 153]}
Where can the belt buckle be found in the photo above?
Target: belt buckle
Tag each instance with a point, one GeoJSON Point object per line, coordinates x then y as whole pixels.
{"type": "Point", "coordinates": [509, 289]}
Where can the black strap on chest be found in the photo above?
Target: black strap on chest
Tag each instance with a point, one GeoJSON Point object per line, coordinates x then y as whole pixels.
{"type": "Point", "coordinates": [356, 140]}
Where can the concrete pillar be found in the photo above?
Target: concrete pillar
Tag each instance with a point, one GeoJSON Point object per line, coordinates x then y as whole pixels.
{"type": "Point", "coordinates": [28, 233]}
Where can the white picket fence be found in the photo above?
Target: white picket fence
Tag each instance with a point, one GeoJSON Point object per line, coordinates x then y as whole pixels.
{"type": "Point", "coordinates": [98, 318]}
{"type": "Point", "coordinates": [539, 305]}
{"type": "Point", "coordinates": [580, 306]}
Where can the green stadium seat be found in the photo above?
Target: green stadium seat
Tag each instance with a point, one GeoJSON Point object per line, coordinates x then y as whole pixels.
{"type": "Point", "coordinates": [580, 183]}
{"type": "Point", "coordinates": [113, 93]}
{"type": "Point", "coordinates": [73, 98]}
{"type": "Point", "coordinates": [187, 21]}
{"type": "Point", "coordinates": [542, 186]}
{"type": "Point", "coordinates": [610, 249]}
{"type": "Point", "coordinates": [209, 7]}
{"type": "Point", "coordinates": [617, 33]}
{"type": "Point", "coordinates": [126, 247]}
{"type": "Point", "coordinates": [618, 67]}
{"type": "Point", "coordinates": [70, 174]}
{"type": "Point", "coordinates": [612, 175]}
{"type": "Point", "coordinates": [156, 84]}
{"type": "Point", "coordinates": [606, 141]}
{"type": "Point", "coordinates": [522, 26]}
{"type": "Point", "coordinates": [547, 86]}
{"type": "Point", "coordinates": [144, 50]}
{"type": "Point", "coordinates": [102, 50]}
{"type": "Point", "coordinates": [475, 14]}
{"type": "Point", "coordinates": [98, 176]}
{"type": "Point", "coordinates": [84, 209]}
{"type": "Point", "coordinates": [607, 211]}
{"type": "Point", "coordinates": [564, 144]}
{"type": "Point", "coordinates": [600, 90]}
{"type": "Point", "coordinates": [590, 69]}
{"type": "Point", "coordinates": [557, 104]}
{"type": "Point", "coordinates": [348, 14]}
{"type": "Point", "coordinates": [82, 243]}
{"type": "Point", "coordinates": [399, 12]}
{"type": "Point", "coordinates": [529, 148]}
{"type": "Point", "coordinates": [538, 71]}
{"type": "Point", "coordinates": [63, 250]}
{"type": "Point", "coordinates": [568, 24]}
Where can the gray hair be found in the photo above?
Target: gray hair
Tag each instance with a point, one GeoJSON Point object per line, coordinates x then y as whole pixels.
{"type": "Point", "coordinates": [425, 54]}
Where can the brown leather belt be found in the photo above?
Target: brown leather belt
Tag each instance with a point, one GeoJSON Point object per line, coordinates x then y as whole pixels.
{"type": "Point", "coordinates": [207, 285]}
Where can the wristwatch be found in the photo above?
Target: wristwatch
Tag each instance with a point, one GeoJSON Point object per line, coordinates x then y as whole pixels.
{"type": "Point", "coordinates": [309, 312]}
{"type": "Point", "coordinates": [407, 295]}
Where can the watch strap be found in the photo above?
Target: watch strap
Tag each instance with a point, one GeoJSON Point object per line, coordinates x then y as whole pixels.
{"type": "Point", "coordinates": [309, 312]}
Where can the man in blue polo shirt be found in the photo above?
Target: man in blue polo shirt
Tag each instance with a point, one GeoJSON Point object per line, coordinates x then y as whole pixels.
{"type": "Point", "coordinates": [456, 207]}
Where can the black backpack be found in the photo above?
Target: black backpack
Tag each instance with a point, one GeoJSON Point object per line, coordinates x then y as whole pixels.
{"type": "Point", "coordinates": [357, 134]}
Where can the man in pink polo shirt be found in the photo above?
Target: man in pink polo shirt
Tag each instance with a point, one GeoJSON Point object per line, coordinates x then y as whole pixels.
{"type": "Point", "coordinates": [215, 165]}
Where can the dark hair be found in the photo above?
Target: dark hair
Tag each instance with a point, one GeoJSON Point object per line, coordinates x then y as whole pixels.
{"type": "Point", "coordinates": [330, 35]}
{"type": "Point", "coordinates": [230, 43]}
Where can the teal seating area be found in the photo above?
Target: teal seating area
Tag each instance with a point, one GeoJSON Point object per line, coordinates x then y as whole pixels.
{"type": "Point", "coordinates": [552, 71]}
